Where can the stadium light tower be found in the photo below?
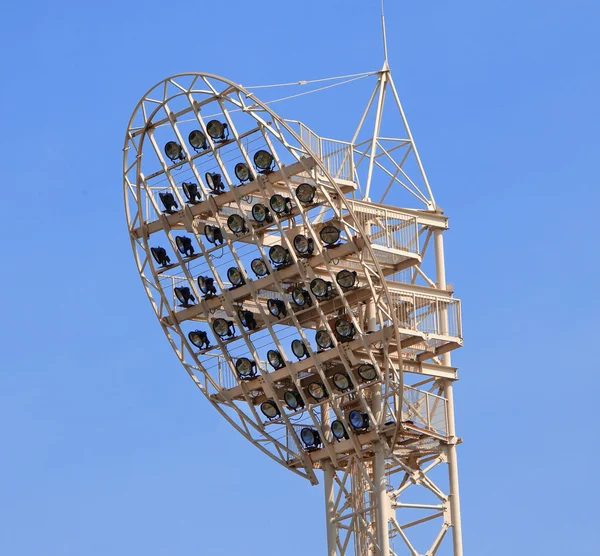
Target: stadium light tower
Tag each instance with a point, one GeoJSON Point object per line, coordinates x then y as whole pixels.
{"type": "Point", "coordinates": [316, 319]}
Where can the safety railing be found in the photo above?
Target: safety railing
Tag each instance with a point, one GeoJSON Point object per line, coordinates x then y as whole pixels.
{"type": "Point", "coordinates": [337, 156]}
{"type": "Point", "coordinates": [426, 410]}
{"type": "Point", "coordinates": [387, 227]}
{"type": "Point", "coordinates": [427, 313]}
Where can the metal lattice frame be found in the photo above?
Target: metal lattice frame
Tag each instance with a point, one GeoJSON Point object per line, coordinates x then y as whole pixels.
{"type": "Point", "coordinates": [405, 323]}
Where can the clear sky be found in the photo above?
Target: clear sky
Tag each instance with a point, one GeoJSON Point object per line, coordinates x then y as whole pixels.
{"type": "Point", "coordinates": [108, 448]}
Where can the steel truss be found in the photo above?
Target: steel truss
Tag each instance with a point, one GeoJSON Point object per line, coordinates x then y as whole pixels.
{"type": "Point", "coordinates": [383, 489]}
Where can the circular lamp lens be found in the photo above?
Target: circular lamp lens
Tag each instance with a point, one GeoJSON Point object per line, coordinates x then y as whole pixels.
{"type": "Point", "coordinates": [198, 338]}
{"type": "Point", "coordinates": [198, 140]}
{"type": "Point", "coordinates": [342, 381]}
{"type": "Point", "coordinates": [221, 328]}
{"type": "Point", "coordinates": [367, 372]}
{"type": "Point", "coordinates": [300, 297]}
{"type": "Point", "coordinates": [358, 420]}
{"type": "Point", "coordinates": [263, 160]}
{"type": "Point", "coordinates": [235, 276]}
{"type": "Point", "coordinates": [270, 409]}
{"type": "Point", "coordinates": [215, 129]}
{"type": "Point", "coordinates": [319, 287]}
{"type": "Point", "coordinates": [278, 254]}
{"type": "Point", "coordinates": [346, 279]}
{"type": "Point", "coordinates": [260, 213]}
{"type": "Point", "coordinates": [275, 360]}
{"type": "Point", "coordinates": [329, 235]}
{"type": "Point", "coordinates": [299, 349]}
{"type": "Point", "coordinates": [305, 193]}
{"type": "Point", "coordinates": [276, 307]}
{"type": "Point", "coordinates": [259, 267]}
{"type": "Point", "coordinates": [212, 233]}
{"type": "Point", "coordinates": [293, 400]}
{"type": "Point", "coordinates": [236, 224]}
{"type": "Point", "coordinates": [310, 437]}
{"type": "Point", "coordinates": [245, 367]}
{"type": "Point", "coordinates": [317, 390]}
{"type": "Point", "coordinates": [338, 430]}
{"type": "Point", "coordinates": [278, 203]}
{"type": "Point", "coordinates": [344, 328]}
{"type": "Point", "coordinates": [323, 339]}
{"type": "Point", "coordinates": [303, 245]}
{"type": "Point", "coordinates": [173, 151]}
{"type": "Point", "coordinates": [242, 172]}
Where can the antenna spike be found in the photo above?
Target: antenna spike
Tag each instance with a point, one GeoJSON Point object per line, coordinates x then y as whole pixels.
{"type": "Point", "coordinates": [385, 53]}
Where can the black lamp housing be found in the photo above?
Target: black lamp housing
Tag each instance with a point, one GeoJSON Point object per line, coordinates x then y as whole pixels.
{"type": "Point", "coordinates": [320, 288]}
{"type": "Point", "coordinates": [235, 276]}
{"type": "Point", "coordinates": [223, 328]}
{"type": "Point", "coordinates": [270, 410]}
{"type": "Point", "coordinates": [199, 338]}
{"type": "Point", "coordinates": [338, 430]}
{"type": "Point", "coordinates": [247, 319]}
{"type": "Point", "coordinates": [264, 161]}
{"type": "Point", "coordinates": [191, 192]}
{"type": "Point", "coordinates": [275, 359]}
{"type": "Point", "coordinates": [261, 214]}
{"type": "Point", "coordinates": [358, 421]}
{"type": "Point", "coordinates": [299, 349]}
{"type": "Point", "coordinates": [280, 256]}
{"type": "Point", "coordinates": [160, 256]}
{"type": "Point", "coordinates": [367, 372]}
{"type": "Point", "coordinates": [259, 268]}
{"type": "Point", "coordinates": [207, 286]}
{"type": "Point", "coordinates": [301, 297]}
{"type": "Point", "coordinates": [184, 296]}
{"type": "Point", "coordinates": [213, 234]}
{"type": "Point", "coordinates": [280, 204]}
{"type": "Point", "coordinates": [184, 245]}
{"type": "Point", "coordinates": [214, 182]}
{"type": "Point", "coordinates": [330, 236]}
{"type": "Point", "coordinates": [293, 400]}
{"type": "Point", "coordinates": [242, 172]}
{"type": "Point", "coordinates": [306, 193]}
{"type": "Point", "coordinates": [304, 246]}
{"type": "Point", "coordinates": [344, 330]}
{"type": "Point", "coordinates": [198, 140]}
{"type": "Point", "coordinates": [277, 308]}
{"type": "Point", "coordinates": [237, 224]}
{"type": "Point", "coordinates": [245, 368]}
{"type": "Point", "coordinates": [311, 438]}
{"type": "Point", "coordinates": [169, 202]}
{"type": "Point", "coordinates": [174, 151]}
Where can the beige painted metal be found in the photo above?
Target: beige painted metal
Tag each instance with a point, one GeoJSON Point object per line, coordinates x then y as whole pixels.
{"type": "Point", "coordinates": [406, 321]}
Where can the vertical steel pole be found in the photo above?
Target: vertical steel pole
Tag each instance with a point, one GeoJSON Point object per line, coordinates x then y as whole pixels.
{"type": "Point", "coordinates": [449, 395]}
{"type": "Point", "coordinates": [328, 472]}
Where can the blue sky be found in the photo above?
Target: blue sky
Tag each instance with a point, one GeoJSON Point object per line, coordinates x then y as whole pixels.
{"type": "Point", "coordinates": [107, 446]}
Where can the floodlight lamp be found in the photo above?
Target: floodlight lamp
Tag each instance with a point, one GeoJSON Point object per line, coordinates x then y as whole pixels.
{"type": "Point", "coordinates": [320, 288]}
{"type": "Point", "coordinates": [345, 329]}
{"type": "Point", "coordinates": [184, 244]}
{"type": "Point", "coordinates": [247, 319]}
{"type": "Point", "coordinates": [342, 381]}
{"type": "Point", "coordinates": [242, 172]}
{"type": "Point", "coordinates": [304, 246]}
{"type": "Point", "coordinates": [323, 339]}
{"type": "Point", "coordinates": [264, 161]}
{"type": "Point", "coordinates": [214, 182]}
{"type": "Point", "coordinates": [358, 421]}
{"type": "Point", "coordinates": [223, 328]}
{"type": "Point", "coordinates": [168, 202]}
{"type": "Point", "coordinates": [293, 400]}
{"type": "Point", "coordinates": [329, 236]}
{"type": "Point", "coordinates": [346, 279]}
{"type": "Point", "coordinates": [280, 204]}
{"type": "Point", "coordinates": [259, 268]}
{"type": "Point", "coordinates": [237, 224]}
{"type": "Point", "coordinates": [338, 430]}
{"type": "Point", "coordinates": [317, 391]}
{"type": "Point", "coordinates": [184, 296]}
{"type": "Point", "coordinates": [213, 234]}
{"type": "Point", "coordinates": [305, 193]}
{"type": "Point", "coordinates": [160, 256]}
{"type": "Point", "coordinates": [207, 286]}
{"type": "Point", "coordinates": [301, 297]}
{"type": "Point", "coordinates": [275, 360]}
{"type": "Point", "coordinates": [191, 192]}
{"type": "Point", "coordinates": [299, 349]}
{"type": "Point", "coordinates": [311, 438]}
{"type": "Point", "coordinates": [270, 409]}
{"type": "Point", "coordinates": [174, 151]}
{"type": "Point", "coordinates": [198, 140]}
{"type": "Point", "coordinates": [367, 372]}
{"type": "Point", "coordinates": [261, 214]}
{"type": "Point", "coordinates": [279, 256]}
{"type": "Point", "coordinates": [235, 276]}
{"type": "Point", "coordinates": [276, 308]}
{"type": "Point", "coordinates": [246, 369]}
{"type": "Point", "coordinates": [199, 338]}
{"type": "Point", "coordinates": [218, 131]}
